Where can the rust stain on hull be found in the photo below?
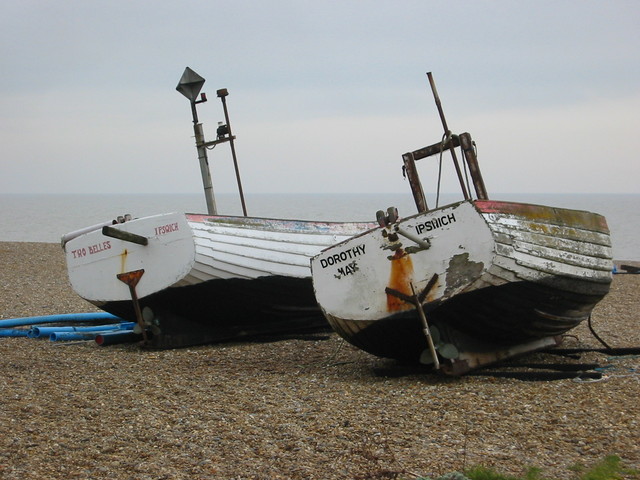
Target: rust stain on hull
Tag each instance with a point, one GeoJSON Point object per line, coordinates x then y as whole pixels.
{"type": "Point", "coordinates": [400, 280]}
{"type": "Point", "coordinates": [123, 260]}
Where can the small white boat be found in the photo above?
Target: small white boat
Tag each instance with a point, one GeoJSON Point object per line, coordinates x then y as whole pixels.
{"type": "Point", "coordinates": [468, 284]}
{"type": "Point", "coordinates": [199, 278]}
{"type": "Point", "coordinates": [190, 279]}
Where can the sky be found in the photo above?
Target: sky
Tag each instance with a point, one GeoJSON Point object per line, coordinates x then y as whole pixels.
{"type": "Point", "coordinates": [324, 96]}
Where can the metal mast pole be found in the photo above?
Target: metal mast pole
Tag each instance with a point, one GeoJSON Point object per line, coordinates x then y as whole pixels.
{"type": "Point", "coordinates": [222, 93]}
{"type": "Point", "coordinates": [190, 85]}
{"type": "Point", "coordinates": [447, 133]}
{"type": "Point", "coordinates": [204, 163]}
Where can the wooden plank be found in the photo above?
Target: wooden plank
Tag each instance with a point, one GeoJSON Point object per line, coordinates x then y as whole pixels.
{"type": "Point", "coordinates": [414, 182]}
{"type": "Point", "coordinates": [512, 223]}
{"type": "Point", "coordinates": [435, 149]}
{"type": "Point", "coordinates": [474, 169]}
{"type": "Point", "coordinates": [548, 215]}
{"type": "Point", "coordinates": [510, 236]}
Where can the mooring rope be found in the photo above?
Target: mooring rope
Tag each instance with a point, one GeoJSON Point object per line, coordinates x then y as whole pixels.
{"type": "Point", "coordinates": [593, 332]}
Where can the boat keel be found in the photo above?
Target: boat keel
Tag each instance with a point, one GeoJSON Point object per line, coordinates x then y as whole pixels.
{"type": "Point", "coordinates": [463, 353]}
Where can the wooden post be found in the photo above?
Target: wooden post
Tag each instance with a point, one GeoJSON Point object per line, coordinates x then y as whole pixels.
{"type": "Point", "coordinates": [425, 329]}
{"type": "Point", "coordinates": [414, 181]}
{"type": "Point", "coordinates": [222, 93]}
{"type": "Point", "coordinates": [447, 132]}
{"type": "Point", "coordinates": [474, 168]}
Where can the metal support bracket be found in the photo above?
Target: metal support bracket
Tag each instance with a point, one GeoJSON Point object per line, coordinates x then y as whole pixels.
{"type": "Point", "coordinates": [425, 329]}
{"type": "Point", "coordinates": [108, 231]}
{"type": "Point", "coordinates": [131, 279]}
{"type": "Point", "coordinates": [416, 300]}
{"type": "Point", "coordinates": [423, 243]}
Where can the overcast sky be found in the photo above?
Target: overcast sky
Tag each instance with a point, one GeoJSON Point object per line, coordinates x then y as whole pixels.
{"type": "Point", "coordinates": [325, 96]}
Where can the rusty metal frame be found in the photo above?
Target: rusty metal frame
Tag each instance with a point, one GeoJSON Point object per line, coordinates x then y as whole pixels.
{"type": "Point", "coordinates": [131, 279]}
{"type": "Point", "coordinates": [463, 140]}
{"type": "Point", "coordinates": [449, 142]}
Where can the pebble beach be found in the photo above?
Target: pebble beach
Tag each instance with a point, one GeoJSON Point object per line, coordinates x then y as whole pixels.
{"type": "Point", "coordinates": [306, 406]}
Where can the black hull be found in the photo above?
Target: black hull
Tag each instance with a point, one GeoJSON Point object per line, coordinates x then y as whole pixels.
{"type": "Point", "coordinates": [490, 318]}
{"type": "Point", "coordinates": [219, 310]}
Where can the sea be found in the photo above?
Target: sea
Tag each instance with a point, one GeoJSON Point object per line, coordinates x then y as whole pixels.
{"type": "Point", "coordinates": [47, 217]}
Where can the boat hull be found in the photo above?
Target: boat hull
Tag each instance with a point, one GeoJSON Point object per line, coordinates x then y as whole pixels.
{"type": "Point", "coordinates": [497, 279]}
{"type": "Point", "coordinates": [218, 310]}
{"type": "Point", "coordinates": [205, 278]}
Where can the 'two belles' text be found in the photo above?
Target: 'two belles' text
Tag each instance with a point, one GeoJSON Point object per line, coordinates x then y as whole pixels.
{"type": "Point", "coordinates": [91, 249]}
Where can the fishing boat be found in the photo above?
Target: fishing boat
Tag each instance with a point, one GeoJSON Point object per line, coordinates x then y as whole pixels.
{"type": "Point", "coordinates": [189, 279]}
{"type": "Point", "coordinates": [464, 285]}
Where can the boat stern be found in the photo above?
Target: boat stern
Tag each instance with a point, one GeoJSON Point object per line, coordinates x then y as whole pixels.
{"type": "Point", "coordinates": [160, 249]}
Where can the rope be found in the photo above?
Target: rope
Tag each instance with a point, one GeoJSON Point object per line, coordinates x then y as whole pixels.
{"type": "Point", "coordinates": [327, 362]}
{"type": "Point", "coordinates": [611, 370]}
{"type": "Point", "coordinates": [593, 332]}
{"type": "Point", "coordinates": [448, 136]}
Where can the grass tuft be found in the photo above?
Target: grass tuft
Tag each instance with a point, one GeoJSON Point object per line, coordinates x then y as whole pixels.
{"type": "Point", "coordinates": [610, 468]}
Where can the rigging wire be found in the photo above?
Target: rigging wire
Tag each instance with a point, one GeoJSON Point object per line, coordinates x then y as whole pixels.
{"type": "Point", "coordinates": [445, 136]}
{"type": "Point", "coordinates": [466, 173]}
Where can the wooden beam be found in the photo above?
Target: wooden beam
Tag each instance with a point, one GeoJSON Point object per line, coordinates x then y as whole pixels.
{"type": "Point", "coordinates": [414, 181]}
{"type": "Point", "coordinates": [436, 148]}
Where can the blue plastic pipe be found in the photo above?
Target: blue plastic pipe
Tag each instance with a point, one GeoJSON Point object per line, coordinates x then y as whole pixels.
{"type": "Point", "coordinates": [67, 336]}
{"type": "Point", "coordinates": [37, 332]}
{"type": "Point", "coordinates": [65, 317]}
{"type": "Point", "coordinates": [11, 332]}
{"type": "Point", "coordinates": [113, 338]}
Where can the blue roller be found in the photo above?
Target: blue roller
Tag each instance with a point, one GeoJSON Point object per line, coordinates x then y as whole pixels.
{"type": "Point", "coordinates": [65, 317]}
{"type": "Point", "coordinates": [37, 332]}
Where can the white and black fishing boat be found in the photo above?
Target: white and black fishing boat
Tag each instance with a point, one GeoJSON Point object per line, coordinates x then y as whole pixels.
{"type": "Point", "coordinates": [467, 284]}
{"type": "Point", "coordinates": [189, 279]}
